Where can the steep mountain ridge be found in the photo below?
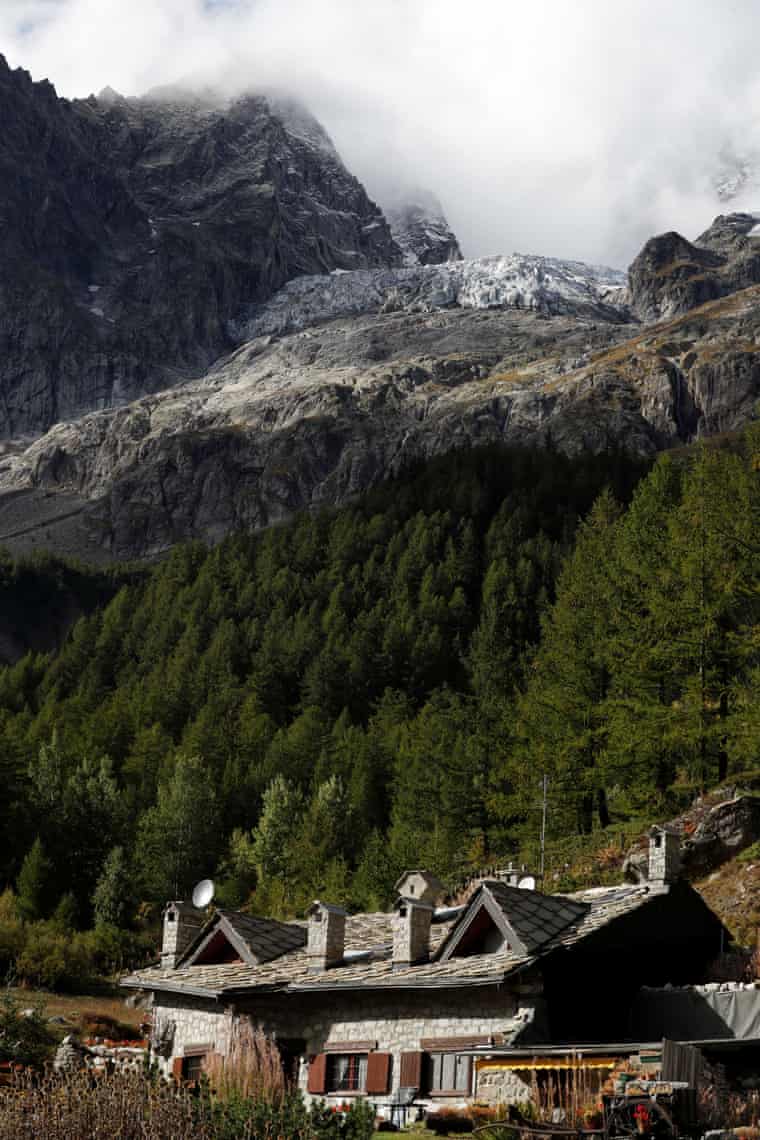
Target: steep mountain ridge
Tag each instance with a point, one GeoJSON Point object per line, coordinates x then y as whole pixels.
{"type": "Point", "coordinates": [208, 324]}
{"type": "Point", "coordinates": [672, 275]}
{"type": "Point", "coordinates": [132, 232]}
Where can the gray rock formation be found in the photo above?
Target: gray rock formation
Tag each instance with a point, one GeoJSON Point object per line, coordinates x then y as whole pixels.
{"type": "Point", "coordinates": [70, 1056]}
{"type": "Point", "coordinates": [725, 829]}
{"type": "Point", "coordinates": [133, 231]}
{"type": "Point", "coordinates": [420, 229]}
{"type": "Point", "coordinates": [672, 275]}
{"type": "Point", "coordinates": [206, 323]}
{"type": "Point", "coordinates": [315, 416]}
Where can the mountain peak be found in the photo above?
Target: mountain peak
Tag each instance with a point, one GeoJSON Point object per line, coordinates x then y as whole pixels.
{"type": "Point", "coordinates": [109, 95]}
{"type": "Point", "coordinates": [420, 228]}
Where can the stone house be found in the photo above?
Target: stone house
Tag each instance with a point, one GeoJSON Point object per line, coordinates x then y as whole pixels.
{"type": "Point", "coordinates": [444, 1000]}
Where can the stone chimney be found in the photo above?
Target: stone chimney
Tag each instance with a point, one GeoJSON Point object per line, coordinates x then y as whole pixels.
{"type": "Point", "coordinates": [326, 936]}
{"type": "Point", "coordinates": [411, 932]}
{"type": "Point", "coordinates": [664, 856]}
{"type": "Point", "coordinates": [182, 922]}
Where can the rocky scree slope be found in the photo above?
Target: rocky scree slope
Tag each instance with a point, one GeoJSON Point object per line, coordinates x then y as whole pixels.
{"type": "Point", "coordinates": [319, 415]}
{"type": "Point", "coordinates": [132, 232]}
{"type": "Point", "coordinates": [346, 378]}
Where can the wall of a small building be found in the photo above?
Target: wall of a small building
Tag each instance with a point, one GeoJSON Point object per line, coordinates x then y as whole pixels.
{"type": "Point", "coordinates": [196, 1021]}
{"type": "Point", "coordinates": [396, 1020]}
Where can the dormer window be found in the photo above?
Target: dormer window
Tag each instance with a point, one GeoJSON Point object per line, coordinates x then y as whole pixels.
{"type": "Point", "coordinates": [483, 936]}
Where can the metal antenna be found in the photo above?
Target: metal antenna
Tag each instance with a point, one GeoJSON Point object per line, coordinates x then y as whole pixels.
{"type": "Point", "coordinates": [545, 783]}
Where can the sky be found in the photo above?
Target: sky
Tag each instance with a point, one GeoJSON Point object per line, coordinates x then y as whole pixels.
{"type": "Point", "coordinates": [571, 128]}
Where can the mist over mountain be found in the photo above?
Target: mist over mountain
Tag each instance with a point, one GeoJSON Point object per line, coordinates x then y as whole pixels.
{"type": "Point", "coordinates": [547, 128]}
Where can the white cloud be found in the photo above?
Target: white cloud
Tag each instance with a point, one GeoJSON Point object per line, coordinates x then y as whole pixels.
{"type": "Point", "coordinates": [568, 127]}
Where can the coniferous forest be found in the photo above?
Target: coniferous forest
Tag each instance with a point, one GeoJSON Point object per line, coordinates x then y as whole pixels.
{"type": "Point", "coordinates": [307, 711]}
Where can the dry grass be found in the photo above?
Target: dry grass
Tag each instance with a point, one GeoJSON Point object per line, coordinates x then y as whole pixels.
{"type": "Point", "coordinates": [82, 1107]}
{"type": "Point", "coordinates": [84, 1012]}
{"type": "Point", "coordinates": [733, 892]}
{"type": "Point", "coordinates": [252, 1067]}
{"type": "Point", "coordinates": [575, 1091]}
{"type": "Point", "coordinates": [718, 1107]}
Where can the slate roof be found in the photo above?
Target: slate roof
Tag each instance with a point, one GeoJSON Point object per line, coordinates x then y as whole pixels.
{"type": "Point", "coordinates": [536, 918]}
{"type": "Point", "coordinates": [550, 921]}
{"type": "Point", "coordinates": [605, 904]}
{"type": "Point", "coordinates": [264, 939]}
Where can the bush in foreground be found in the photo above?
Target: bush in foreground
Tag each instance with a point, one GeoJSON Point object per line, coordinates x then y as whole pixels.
{"type": "Point", "coordinates": [136, 1107]}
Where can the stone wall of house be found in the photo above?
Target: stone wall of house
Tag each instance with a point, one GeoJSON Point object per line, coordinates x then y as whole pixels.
{"type": "Point", "coordinates": [502, 1086]}
{"type": "Point", "coordinates": [181, 1024]}
{"type": "Point", "coordinates": [396, 1020]}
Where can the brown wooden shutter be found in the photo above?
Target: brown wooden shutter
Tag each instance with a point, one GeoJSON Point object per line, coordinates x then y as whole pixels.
{"type": "Point", "coordinates": [317, 1082]}
{"type": "Point", "coordinates": [177, 1068]}
{"type": "Point", "coordinates": [411, 1071]}
{"type": "Point", "coordinates": [378, 1072]}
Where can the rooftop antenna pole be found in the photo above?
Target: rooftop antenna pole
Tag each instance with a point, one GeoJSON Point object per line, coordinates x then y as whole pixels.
{"type": "Point", "coordinates": [545, 784]}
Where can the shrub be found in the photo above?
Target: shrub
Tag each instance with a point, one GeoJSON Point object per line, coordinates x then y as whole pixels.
{"type": "Point", "coordinates": [251, 1068]}
{"type": "Point", "coordinates": [68, 1106]}
{"type": "Point", "coordinates": [449, 1120]}
{"type": "Point", "coordinates": [136, 1106]}
{"type": "Point", "coordinates": [352, 1121]}
{"type": "Point", "coordinates": [11, 932]}
{"type": "Point", "coordinates": [52, 959]}
{"type": "Point", "coordinates": [25, 1037]}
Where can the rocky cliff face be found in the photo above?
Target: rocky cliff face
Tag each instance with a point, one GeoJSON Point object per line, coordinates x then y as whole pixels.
{"type": "Point", "coordinates": [672, 275]}
{"type": "Point", "coordinates": [315, 415]}
{"type": "Point", "coordinates": [133, 231]}
{"type": "Point", "coordinates": [142, 240]}
{"type": "Point", "coordinates": [420, 229]}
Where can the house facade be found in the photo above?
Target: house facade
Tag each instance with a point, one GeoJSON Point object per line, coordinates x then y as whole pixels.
{"type": "Point", "coordinates": [447, 1003]}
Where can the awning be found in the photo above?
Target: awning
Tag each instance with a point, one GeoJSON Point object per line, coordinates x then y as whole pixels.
{"type": "Point", "coordinates": [531, 1064]}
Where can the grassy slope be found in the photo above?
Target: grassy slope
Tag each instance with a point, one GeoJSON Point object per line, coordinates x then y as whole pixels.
{"type": "Point", "coordinates": [731, 889]}
{"type": "Point", "coordinates": [85, 1014]}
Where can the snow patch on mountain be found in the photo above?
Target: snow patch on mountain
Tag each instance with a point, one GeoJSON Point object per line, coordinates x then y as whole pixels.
{"type": "Point", "coordinates": [518, 281]}
{"type": "Point", "coordinates": [738, 178]}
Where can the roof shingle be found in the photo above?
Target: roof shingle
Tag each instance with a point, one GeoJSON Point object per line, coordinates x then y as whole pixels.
{"type": "Point", "coordinates": [548, 921]}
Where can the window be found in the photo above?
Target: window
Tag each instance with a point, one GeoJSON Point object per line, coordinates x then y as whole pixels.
{"type": "Point", "coordinates": [192, 1067]}
{"type": "Point", "coordinates": [347, 1072]}
{"type": "Point", "coordinates": [449, 1073]}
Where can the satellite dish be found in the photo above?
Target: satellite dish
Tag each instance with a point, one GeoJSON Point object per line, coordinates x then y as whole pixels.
{"type": "Point", "coordinates": [203, 892]}
{"type": "Point", "coordinates": [527, 883]}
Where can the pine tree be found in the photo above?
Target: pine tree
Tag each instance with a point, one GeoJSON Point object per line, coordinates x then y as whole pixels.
{"type": "Point", "coordinates": [178, 839]}
{"type": "Point", "coordinates": [564, 713]}
{"type": "Point", "coordinates": [281, 813]}
{"type": "Point", "coordinates": [33, 887]}
{"type": "Point", "coordinates": [112, 899]}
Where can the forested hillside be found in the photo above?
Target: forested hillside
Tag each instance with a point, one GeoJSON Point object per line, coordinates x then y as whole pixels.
{"type": "Point", "coordinates": [308, 711]}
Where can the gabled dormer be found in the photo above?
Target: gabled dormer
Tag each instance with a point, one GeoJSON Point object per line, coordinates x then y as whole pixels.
{"type": "Point", "coordinates": [231, 937]}
{"type": "Point", "coordinates": [502, 919]}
